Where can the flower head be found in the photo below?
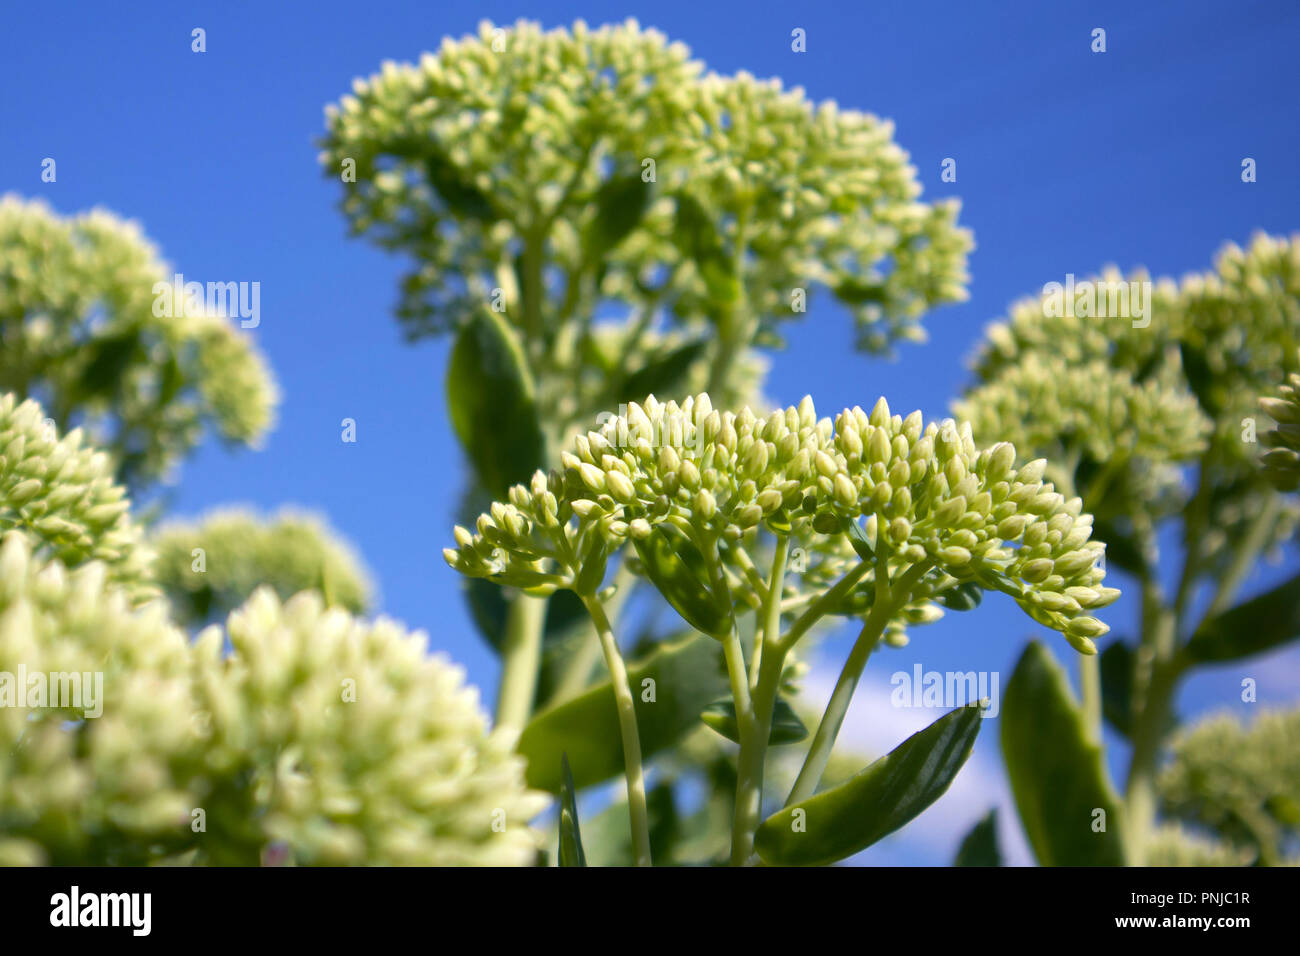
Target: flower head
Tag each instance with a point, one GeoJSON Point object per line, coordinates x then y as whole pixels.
{"type": "Point", "coordinates": [60, 493]}
{"type": "Point", "coordinates": [904, 492]}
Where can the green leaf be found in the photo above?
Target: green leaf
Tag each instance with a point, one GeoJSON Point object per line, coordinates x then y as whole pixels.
{"type": "Point", "coordinates": [852, 290]}
{"type": "Point", "coordinates": [696, 234]}
{"type": "Point", "coordinates": [491, 400]}
{"type": "Point", "coordinates": [687, 675]}
{"type": "Point", "coordinates": [463, 198]}
{"type": "Point", "coordinates": [1252, 627]}
{"type": "Point", "coordinates": [107, 358]}
{"type": "Point", "coordinates": [876, 801]}
{"type": "Point", "coordinates": [962, 597]}
{"type": "Point", "coordinates": [621, 203]}
{"type": "Point", "coordinates": [787, 728]}
{"type": "Point", "coordinates": [1121, 550]}
{"type": "Point", "coordinates": [664, 375]}
{"type": "Point", "coordinates": [1116, 665]}
{"type": "Point", "coordinates": [679, 571]}
{"type": "Point", "coordinates": [980, 845]}
{"type": "Point", "coordinates": [1057, 774]}
{"type": "Point", "coordinates": [571, 853]}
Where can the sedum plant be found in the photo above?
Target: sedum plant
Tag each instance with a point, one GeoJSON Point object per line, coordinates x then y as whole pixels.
{"type": "Point", "coordinates": [1240, 782]}
{"type": "Point", "coordinates": [595, 218]}
{"type": "Point", "coordinates": [296, 733]}
{"type": "Point", "coordinates": [1151, 420]}
{"type": "Point", "coordinates": [80, 334]}
{"type": "Point", "coordinates": [209, 567]}
{"type": "Point", "coordinates": [899, 516]}
{"type": "Point", "coordinates": [61, 494]}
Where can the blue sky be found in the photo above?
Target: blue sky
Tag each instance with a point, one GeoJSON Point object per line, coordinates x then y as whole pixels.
{"type": "Point", "coordinates": [1066, 160]}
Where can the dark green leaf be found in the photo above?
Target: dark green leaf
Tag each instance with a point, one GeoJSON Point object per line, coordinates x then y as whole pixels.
{"type": "Point", "coordinates": [787, 728]}
{"type": "Point", "coordinates": [854, 291]}
{"type": "Point", "coordinates": [462, 197]}
{"type": "Point", "coordinates": [1056, 769]}
{"type": "Point", "coordinates": [621, 203]}
{"type": "Point", "coordinates": [875, 802]}
{"type": "Point", "coordinates": [1121, 550]}
{"type": "Point", "coordinates": [677, 569]}
{"type": "Point", "coordinates": [107, 358]}
{"type": "Point", "coordinates": [1252, 627]}
{"type": "Point", "coordinates": [980, 846]}
{"type": "Point", "coordinates": [491, 400]}
{"type": "Point", "coordinates": [663, 376]}
{"type": "Point", "coordinates": [1117, 686]}
{"type": "Point", "coordinates": [571, 853]}
{"type": "Point", "coordinates": [963, 597]}
{"type": "Point", "coordinates": [687, 675]}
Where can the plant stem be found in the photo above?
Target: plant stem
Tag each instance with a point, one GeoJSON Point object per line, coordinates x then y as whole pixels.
{"type": "Point", "coordinates": [577, 671]}
{"type": "Point", "coordinates": [888, 602]}
{"type": "Point", "coordinates": [753, 753]}
{"type": "Point", "coordinates": [1090, 688]}
{"type": "Point", "coordinates": [522, 654]}
{"type": "Point", "coordinates": [1258, 534]}
{"type": "Point", "coordinates": [636, 799]}
{"type": "Point", "coordinates": [1150, 721]}
{"type": "Point", "coordinates": [769, 628]}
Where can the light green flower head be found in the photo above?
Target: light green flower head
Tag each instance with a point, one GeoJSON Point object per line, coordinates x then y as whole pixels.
{"type": "Point", "coordinates": [103, 779]}
{"type": "Point", "coordinates": [211, 566]}
{"type": "Point", "coordinates": [80, 323]}
{"type": "Point", "coordinates": [346, 743]}
{"type": "Point", "coordinates": [645, 180]}
{"type": "Point", "coordinates": [1242, 781]}
{"type": "Point", "coordinates": [60, 494]}
{"type": "Point", "coordinates": [905, 493]}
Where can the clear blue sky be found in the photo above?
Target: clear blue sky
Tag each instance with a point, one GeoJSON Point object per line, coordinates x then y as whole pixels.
{"type": "Point", "coordinates": [1066, 160]}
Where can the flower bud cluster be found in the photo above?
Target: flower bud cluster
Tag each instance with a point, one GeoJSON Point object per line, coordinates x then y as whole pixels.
{"type": "Point", "coordinates": [915, 493]}
{"type": "Point", "coordinates": [61, 495]}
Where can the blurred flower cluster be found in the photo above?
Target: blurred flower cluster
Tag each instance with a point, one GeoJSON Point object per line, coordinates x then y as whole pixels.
{"type": "Point", "coordinates": [78, 327]}
{"type": "Point", "coordinates": [297, 733]}
{"type": "Point", "coordinates": [556, 171]}
{"type": "Point", "coordinates": [208, 567]}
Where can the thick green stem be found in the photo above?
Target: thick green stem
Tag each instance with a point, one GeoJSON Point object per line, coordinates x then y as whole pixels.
{"type": "Point", "coordinates": [636, 799]}
{"type": "Point", "coordinates": [522, 654]}
{"type": "Point", "coordinates": [577, 671]}
{"type": "Point", "coordinates": [1090, 687]}
{"type": "Point", "coordinates": [769, 628]}
{"type": "Point", "coordinates": [1141, 798]}
{"type": "Point", "coordinates": [888, 602]}
{"type": "Point", "coordinates": [753, 755]}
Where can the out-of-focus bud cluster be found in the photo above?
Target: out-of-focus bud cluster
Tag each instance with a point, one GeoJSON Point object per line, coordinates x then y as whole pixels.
{"type": "Point", "coordinates": [1174, 845]}
{"type": "Point", "coordinates": [209, 567]}
{"type": "Point", "coordinates": [78, 789]}
{"type": "Point", "coordinates": [61, 495]}
{"type": "Point", "coordinates": [79, 326]}
{"type": "Point", "coordinates": [896, 489]}
{"type": "Point", "coordinates": [298, 732]}
{"type": "Point", "coordinates": [646, 181]}
{"type": "Point", "coordinates": [1072, 412]}
{"type": "Point", "coordinates": [1242, 782]}
{"type": "Point", "coordinates": [1282, 460]}
{"type": "Point", "coordinates": [1126, 399]}
{"type": "Point", "coordinates": [346, 742]}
